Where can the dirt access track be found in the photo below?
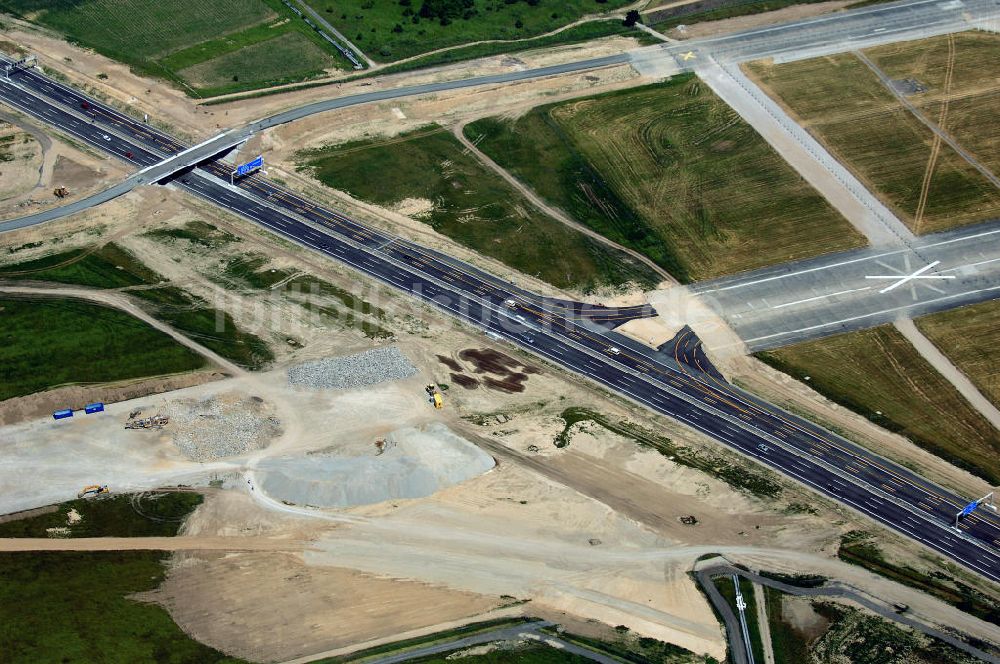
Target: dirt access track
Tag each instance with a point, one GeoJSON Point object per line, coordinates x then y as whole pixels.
{"type": "Point", "coordinates": [21, 544]}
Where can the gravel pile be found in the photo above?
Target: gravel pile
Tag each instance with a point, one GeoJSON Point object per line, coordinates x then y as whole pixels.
{"type": "Point", "coordinates": [417, 463]}
{"type": "Point", "coordinates": [368, 368]}
{"type": "Point", "coordinates": [218, 428]}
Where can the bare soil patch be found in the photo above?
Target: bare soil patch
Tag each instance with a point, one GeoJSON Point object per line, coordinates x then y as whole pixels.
{"type": "Point", "coordinates": [505, 373]}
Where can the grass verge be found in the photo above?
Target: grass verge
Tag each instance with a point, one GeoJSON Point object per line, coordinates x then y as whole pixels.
{"type": "Point", "coordinates": [787, 643]}
{"type": "Point", "coordinates": [714, 10]}
{"type": "Point", "coordinates": [888, 382]}
{"type": "Point", "coordinates": [49, 342]}
{"type": "Point", "coordinates": [634, 649]}
{"type": "Point", "coordinates": [856, 636]}
{"type": "Point", "coordinates": [472, 206]}
{"type": "Point", "coordinates": [670, 171]}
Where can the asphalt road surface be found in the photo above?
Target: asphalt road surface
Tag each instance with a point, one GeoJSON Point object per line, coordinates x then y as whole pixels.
{"type": "Point", "coordinates": [837, 293]}
{"type": "Point", "coordinates": [883, 609]}
{"type": "Point", "coordinates": [572, 336]}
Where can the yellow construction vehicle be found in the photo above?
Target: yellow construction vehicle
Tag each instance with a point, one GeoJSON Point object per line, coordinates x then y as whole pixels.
{"type": "Point", "coordinates": [435, 396]}
{"type": "Point", "coordinates": [95, 489]}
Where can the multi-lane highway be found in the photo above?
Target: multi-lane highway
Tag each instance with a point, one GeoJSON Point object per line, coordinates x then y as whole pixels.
{"type": "Point", "coordinates": [568, 335]}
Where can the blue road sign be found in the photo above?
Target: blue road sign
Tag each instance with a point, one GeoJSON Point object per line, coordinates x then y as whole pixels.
{"type": "Point", "coordinates": [250, 166]}
{"type": "Point", "coordinates": [967, 510]}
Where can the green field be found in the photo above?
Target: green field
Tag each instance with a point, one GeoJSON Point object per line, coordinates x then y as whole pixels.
{"type": "Point", "coordinates": [259, 63]}
{"type": "Point", "coordinates": [970, 337]}
{"type": "Point", "coordinates": [388, 30]}
{"type": "Point", "coordinates": [76, 607]}
{"type": "Point", "coordinates": [888, 382]}
{"type": "Point", "coordinates": [843, 103]}
{"type": "Point", "coordinates": [973, 94]}
{"type": "Point", "coordinates": [472, 206]}
{"type": "Point", "coordinates": [51, 342]}
{"type": "Point", "coordinates": [207, 48]}
{"type": "Point", "coordinates": [671, 171]}
{"type": "Point", "coordinates": [109, 266]}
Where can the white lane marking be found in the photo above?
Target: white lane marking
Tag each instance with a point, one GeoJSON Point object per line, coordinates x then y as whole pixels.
{"type": "Point", "coordinates": [873, 313]}
{"type": "Point", "coordinates": [818, 268]}
{"type": "Point", "coordinates": [820, 297]}
{"type": "Point", "coordinates": [959, 267]}
{"type": "Point", "coordinates": [900, 279]}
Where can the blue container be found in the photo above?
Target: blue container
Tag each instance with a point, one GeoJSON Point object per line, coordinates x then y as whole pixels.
{"type": "Point", "coordinates": [62, 414]}
{"type": "Point", "coordinates": [93, 408]}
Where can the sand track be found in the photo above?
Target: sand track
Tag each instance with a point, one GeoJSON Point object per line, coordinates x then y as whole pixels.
{"type": "Point", "coordinates": [20, 544]}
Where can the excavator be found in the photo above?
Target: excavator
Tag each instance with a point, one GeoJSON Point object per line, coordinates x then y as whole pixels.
{"type": "Point", "coordinates": [93, 489]}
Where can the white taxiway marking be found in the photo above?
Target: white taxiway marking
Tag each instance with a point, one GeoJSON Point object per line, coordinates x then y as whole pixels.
{"type": "Point", "coordinates": [819, 297]}
{"type": "Point", "coordinates": [902, 279]}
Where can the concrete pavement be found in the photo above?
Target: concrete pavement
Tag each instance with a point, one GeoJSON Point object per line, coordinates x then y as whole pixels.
{"type": "Point", "coordinates": [785, 304]}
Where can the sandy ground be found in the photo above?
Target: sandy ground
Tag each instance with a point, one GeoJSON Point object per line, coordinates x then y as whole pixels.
{"type": "Point", "coordinates": [267, 607]}
{"type": "Point", "coordinates": [149, 544]}
{"type": "Point", "coordinates": [591, 531]}
{"type": "Point", "coordinates": [44, 160]}
{"type": "Point", "coordinates": [23, 172]}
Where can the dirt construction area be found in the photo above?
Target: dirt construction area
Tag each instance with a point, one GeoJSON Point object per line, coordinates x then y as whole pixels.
{"type": "Point", "coordinates": [377, 516]}
{"type": "Point", "coordinates": [342, 509]}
